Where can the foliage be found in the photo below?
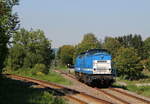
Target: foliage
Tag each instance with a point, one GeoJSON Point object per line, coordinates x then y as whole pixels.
{"type": "Point", "coordinates": [112, 45]}
{"type": "Point", "coordinates": [117, 46]}
{"type": "Point", "coordinates": [65, 54]}
{"type": "Point", "coordinates": [29, 48]}
{"type": "Point", "coordinates": [40, 68]}
{"type": "Point", "coordinates": [147, 47]}
{"type": "Point", "coordinates": [146, 63]}
{"type": "Point", "coordinates": [134, 41]}
{"type": "Point", "coordinates": [8, 25]}
{"type": "Point", "coordinates": [89, 42]}
{"type": "Point", "coordinates": [128, 63]}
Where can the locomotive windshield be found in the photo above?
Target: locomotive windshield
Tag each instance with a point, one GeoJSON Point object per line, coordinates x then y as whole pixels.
{"type": "Point", "coordinates": [97, 51]}
{"type": "Point", "coordinates": [92, 51]}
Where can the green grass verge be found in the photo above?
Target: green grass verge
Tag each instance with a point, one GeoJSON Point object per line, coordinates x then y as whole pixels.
{"type": "Point", "coordinates": [17, 92]}
{"type": "Point", "coordinates": [142, 90]}
{"type": "Point", "coordinates": [64, 68]}
{"type": "Point", "coordinates": [131, 85]}
{"type": "Point", "coordinates": [51, 76]}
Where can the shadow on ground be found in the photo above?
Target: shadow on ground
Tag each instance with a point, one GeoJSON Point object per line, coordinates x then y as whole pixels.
{"type": "Point", "coordinates": [19, 92]}
{"type": "Point", "coordinates": [119, 86]}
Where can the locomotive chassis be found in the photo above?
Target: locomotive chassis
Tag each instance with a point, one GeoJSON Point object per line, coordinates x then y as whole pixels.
{"type": "Point", "coordinates": [98, 80]}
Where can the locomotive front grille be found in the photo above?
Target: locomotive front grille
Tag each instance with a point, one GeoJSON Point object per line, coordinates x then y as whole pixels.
{"type": "Point", "coordinates": [102, 67]}
{"type": "Point", "coordinates": [101, 70]}
{"type": "Point", "coordinates": [101, 61]}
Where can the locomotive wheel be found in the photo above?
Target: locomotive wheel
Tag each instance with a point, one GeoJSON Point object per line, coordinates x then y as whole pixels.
{"type": "Point", "coordinates": [78, 76]}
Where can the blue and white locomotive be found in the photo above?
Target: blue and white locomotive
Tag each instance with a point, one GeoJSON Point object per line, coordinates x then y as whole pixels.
{"type": "Point", "coordinates": [95, 67]}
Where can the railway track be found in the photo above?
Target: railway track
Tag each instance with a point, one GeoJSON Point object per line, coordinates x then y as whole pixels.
{"type": "Point", "coordinates": [130, 95]}
{"type": "Point", "coordinates": [115, 97]}
{"type": "Point", "coordinates": [124, 93]}
{"type": "Point", "coordinates": [112, 96]}
{"type": "Point", "coordinates": [70, 94]}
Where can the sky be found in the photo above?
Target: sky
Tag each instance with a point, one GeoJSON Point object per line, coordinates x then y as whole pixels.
{"type": "Point", "coordinates": [66, 21]}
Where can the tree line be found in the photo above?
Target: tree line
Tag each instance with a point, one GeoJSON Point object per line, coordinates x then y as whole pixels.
{"type": "Point", "coordinates": [29, 50]}
{"type": "Point", "coordinates": [131, 54]}
{"type": "Point", "coordinates": [22, 49]}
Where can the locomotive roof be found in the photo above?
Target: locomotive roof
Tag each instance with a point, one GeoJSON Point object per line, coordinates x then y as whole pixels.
{"type": "Point", "coordinates": [94, 50]}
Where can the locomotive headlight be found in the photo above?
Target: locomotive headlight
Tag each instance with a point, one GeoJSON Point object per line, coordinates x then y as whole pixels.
{"type": "Point", "coordinates": [110, 70]}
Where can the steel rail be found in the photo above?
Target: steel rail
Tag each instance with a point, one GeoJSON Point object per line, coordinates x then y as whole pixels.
{"type": "Point", "coordinates": [130, 95]}
{"type": "Point", "coordinates": [99, 90]}
{"type": "Point", "coordinates": [112, 96]}
{"type": "Point", "coordinates": [76, 97]}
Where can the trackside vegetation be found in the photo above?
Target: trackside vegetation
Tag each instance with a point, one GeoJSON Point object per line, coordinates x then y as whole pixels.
{"type": "Point", "coordinates": [137, 86]}
{"type": "Point", "coordinates": [51, 76]}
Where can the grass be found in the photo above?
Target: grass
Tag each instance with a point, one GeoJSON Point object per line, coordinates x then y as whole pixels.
{"type": "Point", "coordinates": [17, 92]}
{"type": "Point", "coordinates": [65, 69]}
{"type": "Point", "coordinates": [51, 76]}
{"type": "Point", "coordinates": [131, 85]}
{"type": "Point", "coordinates": [142, 90]}
{"type": "Point", "coordinates": [61, 67]}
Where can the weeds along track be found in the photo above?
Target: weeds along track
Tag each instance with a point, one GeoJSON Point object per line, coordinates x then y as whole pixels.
{"type": "Point", "coordinates": [71, 94]}
{"type": "Point", "coordinates": [121, 98]}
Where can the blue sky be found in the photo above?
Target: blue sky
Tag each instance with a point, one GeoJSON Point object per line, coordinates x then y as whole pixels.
{"type": "Point", "coordinates": [66, 21]}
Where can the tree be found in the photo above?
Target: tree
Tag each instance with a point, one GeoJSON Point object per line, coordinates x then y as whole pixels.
{"type": "Point", "coordinates": [8, 25]}
{"type": "Point", "coordinates": [89, 42]}
{"type": "Point", "coordinates": [146, 64]}
{"type": "Point", "coordinates": [112, 45]}
{"type": "Point", "coordinates": [147, 48]}
{"type": "Point", "coordinates": [65, 54]}
{"type": "Point", "coordinates": [128, 63]}
{"type": "Point", "coordinates": [146, 54]}
{"type": "Point", "coordinates": [29, 48]}
{"type": "Point", "coordinates": [134, 41]}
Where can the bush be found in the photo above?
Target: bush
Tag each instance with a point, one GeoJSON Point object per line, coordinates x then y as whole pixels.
{"type": "Point", "coordinates": [146, 64]}
{"type": "Point", "coordinates": [40, 69]}
{"type": "Point", "coordinates": [128, 64]}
